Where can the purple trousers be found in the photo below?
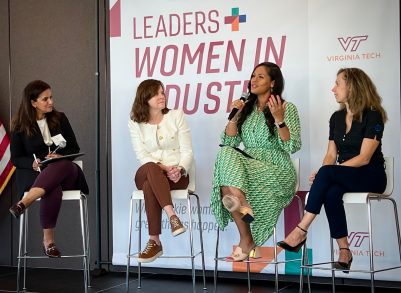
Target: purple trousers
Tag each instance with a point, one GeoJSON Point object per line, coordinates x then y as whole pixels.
{"type": "Point", "coordinates": [56, 177]}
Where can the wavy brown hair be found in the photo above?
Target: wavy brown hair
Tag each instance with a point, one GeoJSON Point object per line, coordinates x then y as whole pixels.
{"type": "Point", "coordinates": [25, 119]}
{"type": "Point", "coordinates": [147, 89]}
{"type": "Point", "coordinates": [362, 93]}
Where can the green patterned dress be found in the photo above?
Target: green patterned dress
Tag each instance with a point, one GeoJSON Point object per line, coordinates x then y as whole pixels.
{"type": "Point", "coordinates": [268, 180]}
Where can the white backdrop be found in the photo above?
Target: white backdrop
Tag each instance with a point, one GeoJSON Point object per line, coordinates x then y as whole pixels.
{"type": "Point", "coordinates": [205, 60]}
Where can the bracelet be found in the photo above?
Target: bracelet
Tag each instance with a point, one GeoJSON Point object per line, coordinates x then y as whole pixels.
{"type": "Point", "coordinates": [233, 122]}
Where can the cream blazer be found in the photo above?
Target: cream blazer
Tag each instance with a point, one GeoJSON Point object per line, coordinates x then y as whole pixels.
{"type": "Point", "coordinates": [169, 142]}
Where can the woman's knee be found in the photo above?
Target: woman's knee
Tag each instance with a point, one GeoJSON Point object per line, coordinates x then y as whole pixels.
{"type": "Point", "coordinates": [150, 167]}
{"type": "Point", "coordinates": [324, 170]}
{"type": "Point", "coordinates": [227, 151]}
{"type": "Point", "coordinates": [143, 171]}
{"type": "Point", "coordinates": [64, 165]}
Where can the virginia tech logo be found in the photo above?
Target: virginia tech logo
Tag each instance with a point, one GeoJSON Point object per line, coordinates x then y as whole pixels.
{"type": "Point", "coordinates": [353, 51]}
{"type": "Point", "coordinates": [356, 239]}
{"type": "Point", "coordinates": [352, 43]}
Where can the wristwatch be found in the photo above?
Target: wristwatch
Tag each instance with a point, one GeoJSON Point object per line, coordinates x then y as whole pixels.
{"type": "Point", "coordinates": [280, 124]}
{"type": "Point", "coordinates": [183, 171]}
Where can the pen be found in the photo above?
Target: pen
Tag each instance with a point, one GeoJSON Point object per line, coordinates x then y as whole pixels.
{"type": "Point", "coordinates": [36, 160]}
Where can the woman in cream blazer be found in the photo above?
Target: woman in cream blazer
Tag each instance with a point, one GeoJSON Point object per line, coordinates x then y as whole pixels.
{"type": "Point", "coordinates": [161, 140]}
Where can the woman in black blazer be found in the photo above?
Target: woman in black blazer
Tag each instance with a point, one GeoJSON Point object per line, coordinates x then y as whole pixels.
{"type": "Point", "coordinates": [36, 129]}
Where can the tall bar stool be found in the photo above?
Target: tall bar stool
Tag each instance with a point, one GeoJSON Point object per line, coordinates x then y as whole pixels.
{"type": "Point", "coordinates": [275, 261]}
{"type": "Point", "coordinates": [73, 195]}
{"type": "Point", "coordinates": [366, 198]}
{"type": "Point", "coordinates": [181, 194]}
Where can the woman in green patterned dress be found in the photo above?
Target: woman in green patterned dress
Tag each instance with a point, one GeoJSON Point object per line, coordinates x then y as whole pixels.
{"type": "Point", "coordinates": [253, 188]}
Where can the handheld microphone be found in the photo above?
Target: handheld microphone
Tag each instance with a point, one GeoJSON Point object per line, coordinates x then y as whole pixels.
{"type": "Point", "coordinates": [244, 97]}
{"type": "Point", "coordinates": [61, 145]}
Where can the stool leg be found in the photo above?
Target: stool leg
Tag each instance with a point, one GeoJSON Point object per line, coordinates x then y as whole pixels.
{"type": "Point", "coordinates": [397, 224]}
{"type": "Point", "coordinates": [25, 244]}
{"type": "Point", "coordinates": [201, 241]}
{"type": "Point", "coordinates": [248, 273]}
{"type": "Point", "coordinates": [301, 213]}
{"type": "Point", "coordinates": [191, 242]}
{"type": "Point", "coordinates": [139, 242]}
{"type": "Point", "coordinates": [21, 237]}
{"type": "Point", "coordinates": [304, 261]}
{"type": "Point", "coordinates": [81, 209]}
{"type": "Point", "coordinates": [87, 241]}
{"type": "Point", "coordinates": [333, 273]}
{"type": "Point", "coordinates": [372, 275]}
{"type": "Point", "coordinates": [275, 260]}
{"type": "Point", "coordinates": [129, 246]}
{"type": "Point", "coordinates": [216, 261]}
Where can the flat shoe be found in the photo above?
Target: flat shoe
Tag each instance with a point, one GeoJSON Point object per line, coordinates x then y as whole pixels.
{"type": "Point", "coordinates": [52, 251]}
{"type": "Point", "coordinates": [17, 210]}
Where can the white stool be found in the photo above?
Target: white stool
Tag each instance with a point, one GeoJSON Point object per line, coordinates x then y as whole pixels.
{"type": "Point", "coordinates": [296, 163]}
{"type": "Point", "coordinates": [23, 253]}
{"type": "Point", "coordinates": [182, 194]}
{"type": "Point", "coordinates": [366, 198]}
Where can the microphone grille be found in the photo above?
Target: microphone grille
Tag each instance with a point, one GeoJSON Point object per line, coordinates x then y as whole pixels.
{"type": "Point", "coordinates": [62, 144]}
{"type": "Point", "coordinates": [245, 95]}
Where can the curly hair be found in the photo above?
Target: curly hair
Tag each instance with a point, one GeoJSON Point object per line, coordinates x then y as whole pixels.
{"type": "Point", "coordinates": [25, 119]}
{"type": "Point", "coordinates": [362, 93]}
{"type": "Point", "coordinates": [273, 70]}
{"type": "Point", "coordinates": [147, 89]}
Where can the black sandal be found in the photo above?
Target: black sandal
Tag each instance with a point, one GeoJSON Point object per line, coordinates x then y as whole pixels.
{"type": "Point", "coordinates": [295, 248]}
{"type": "Point", "coordinates": [339, 265]}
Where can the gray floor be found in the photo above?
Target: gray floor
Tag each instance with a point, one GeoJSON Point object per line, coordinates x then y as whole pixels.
{"type": "Point", "coordinates": [70, 281]}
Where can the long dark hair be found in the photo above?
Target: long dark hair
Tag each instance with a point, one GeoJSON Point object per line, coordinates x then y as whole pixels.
{"type": "Point", "coordinates": [25, 119]}
{"type": "Point", "coordinates": [147, 89]}
{"type": "Point", "coordinates": [273, 70]}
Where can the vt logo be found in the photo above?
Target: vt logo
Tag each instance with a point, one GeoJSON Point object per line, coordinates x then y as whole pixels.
{"type": "Point", "coordinates": [357, 238]}
{"type": "Point", "coordinates": [354, 42]}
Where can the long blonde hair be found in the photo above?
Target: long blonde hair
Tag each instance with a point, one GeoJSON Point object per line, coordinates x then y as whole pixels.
{"type": "Point", "coordinates": [362, 93]}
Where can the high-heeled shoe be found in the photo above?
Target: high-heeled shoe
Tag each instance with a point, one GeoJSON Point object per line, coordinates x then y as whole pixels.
{"type": "Point", "coordinates": [233, 204]}
{"type": "Point", "coordinates": [340, 265]}
{"type": "Point", "coordinates": [295, 248]}
{"type": "Point", "coordinates": [238, 255]}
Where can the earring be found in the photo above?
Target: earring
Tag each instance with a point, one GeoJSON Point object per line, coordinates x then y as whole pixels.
{"type": "Point", "coordinates": [271, 90]}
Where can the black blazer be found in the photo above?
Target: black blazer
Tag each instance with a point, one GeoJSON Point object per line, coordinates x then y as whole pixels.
{"type": "Point", "coordinates": [23, 147]}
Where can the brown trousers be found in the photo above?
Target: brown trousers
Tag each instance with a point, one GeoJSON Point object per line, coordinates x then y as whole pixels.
{"type": "Point", "coordinates": [156, 189]}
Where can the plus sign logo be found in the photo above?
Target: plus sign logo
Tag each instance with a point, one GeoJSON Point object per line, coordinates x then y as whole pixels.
{"type": "Point", "coordinates": [356, 239]}
{"type": "Point", "coordinates": [235, 19]}
{"type": "Point", "coordinates": [352, 43]}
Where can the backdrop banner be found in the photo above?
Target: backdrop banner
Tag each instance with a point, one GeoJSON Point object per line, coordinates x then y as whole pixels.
{"type": "Point", "coordinates": [204, 53]}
